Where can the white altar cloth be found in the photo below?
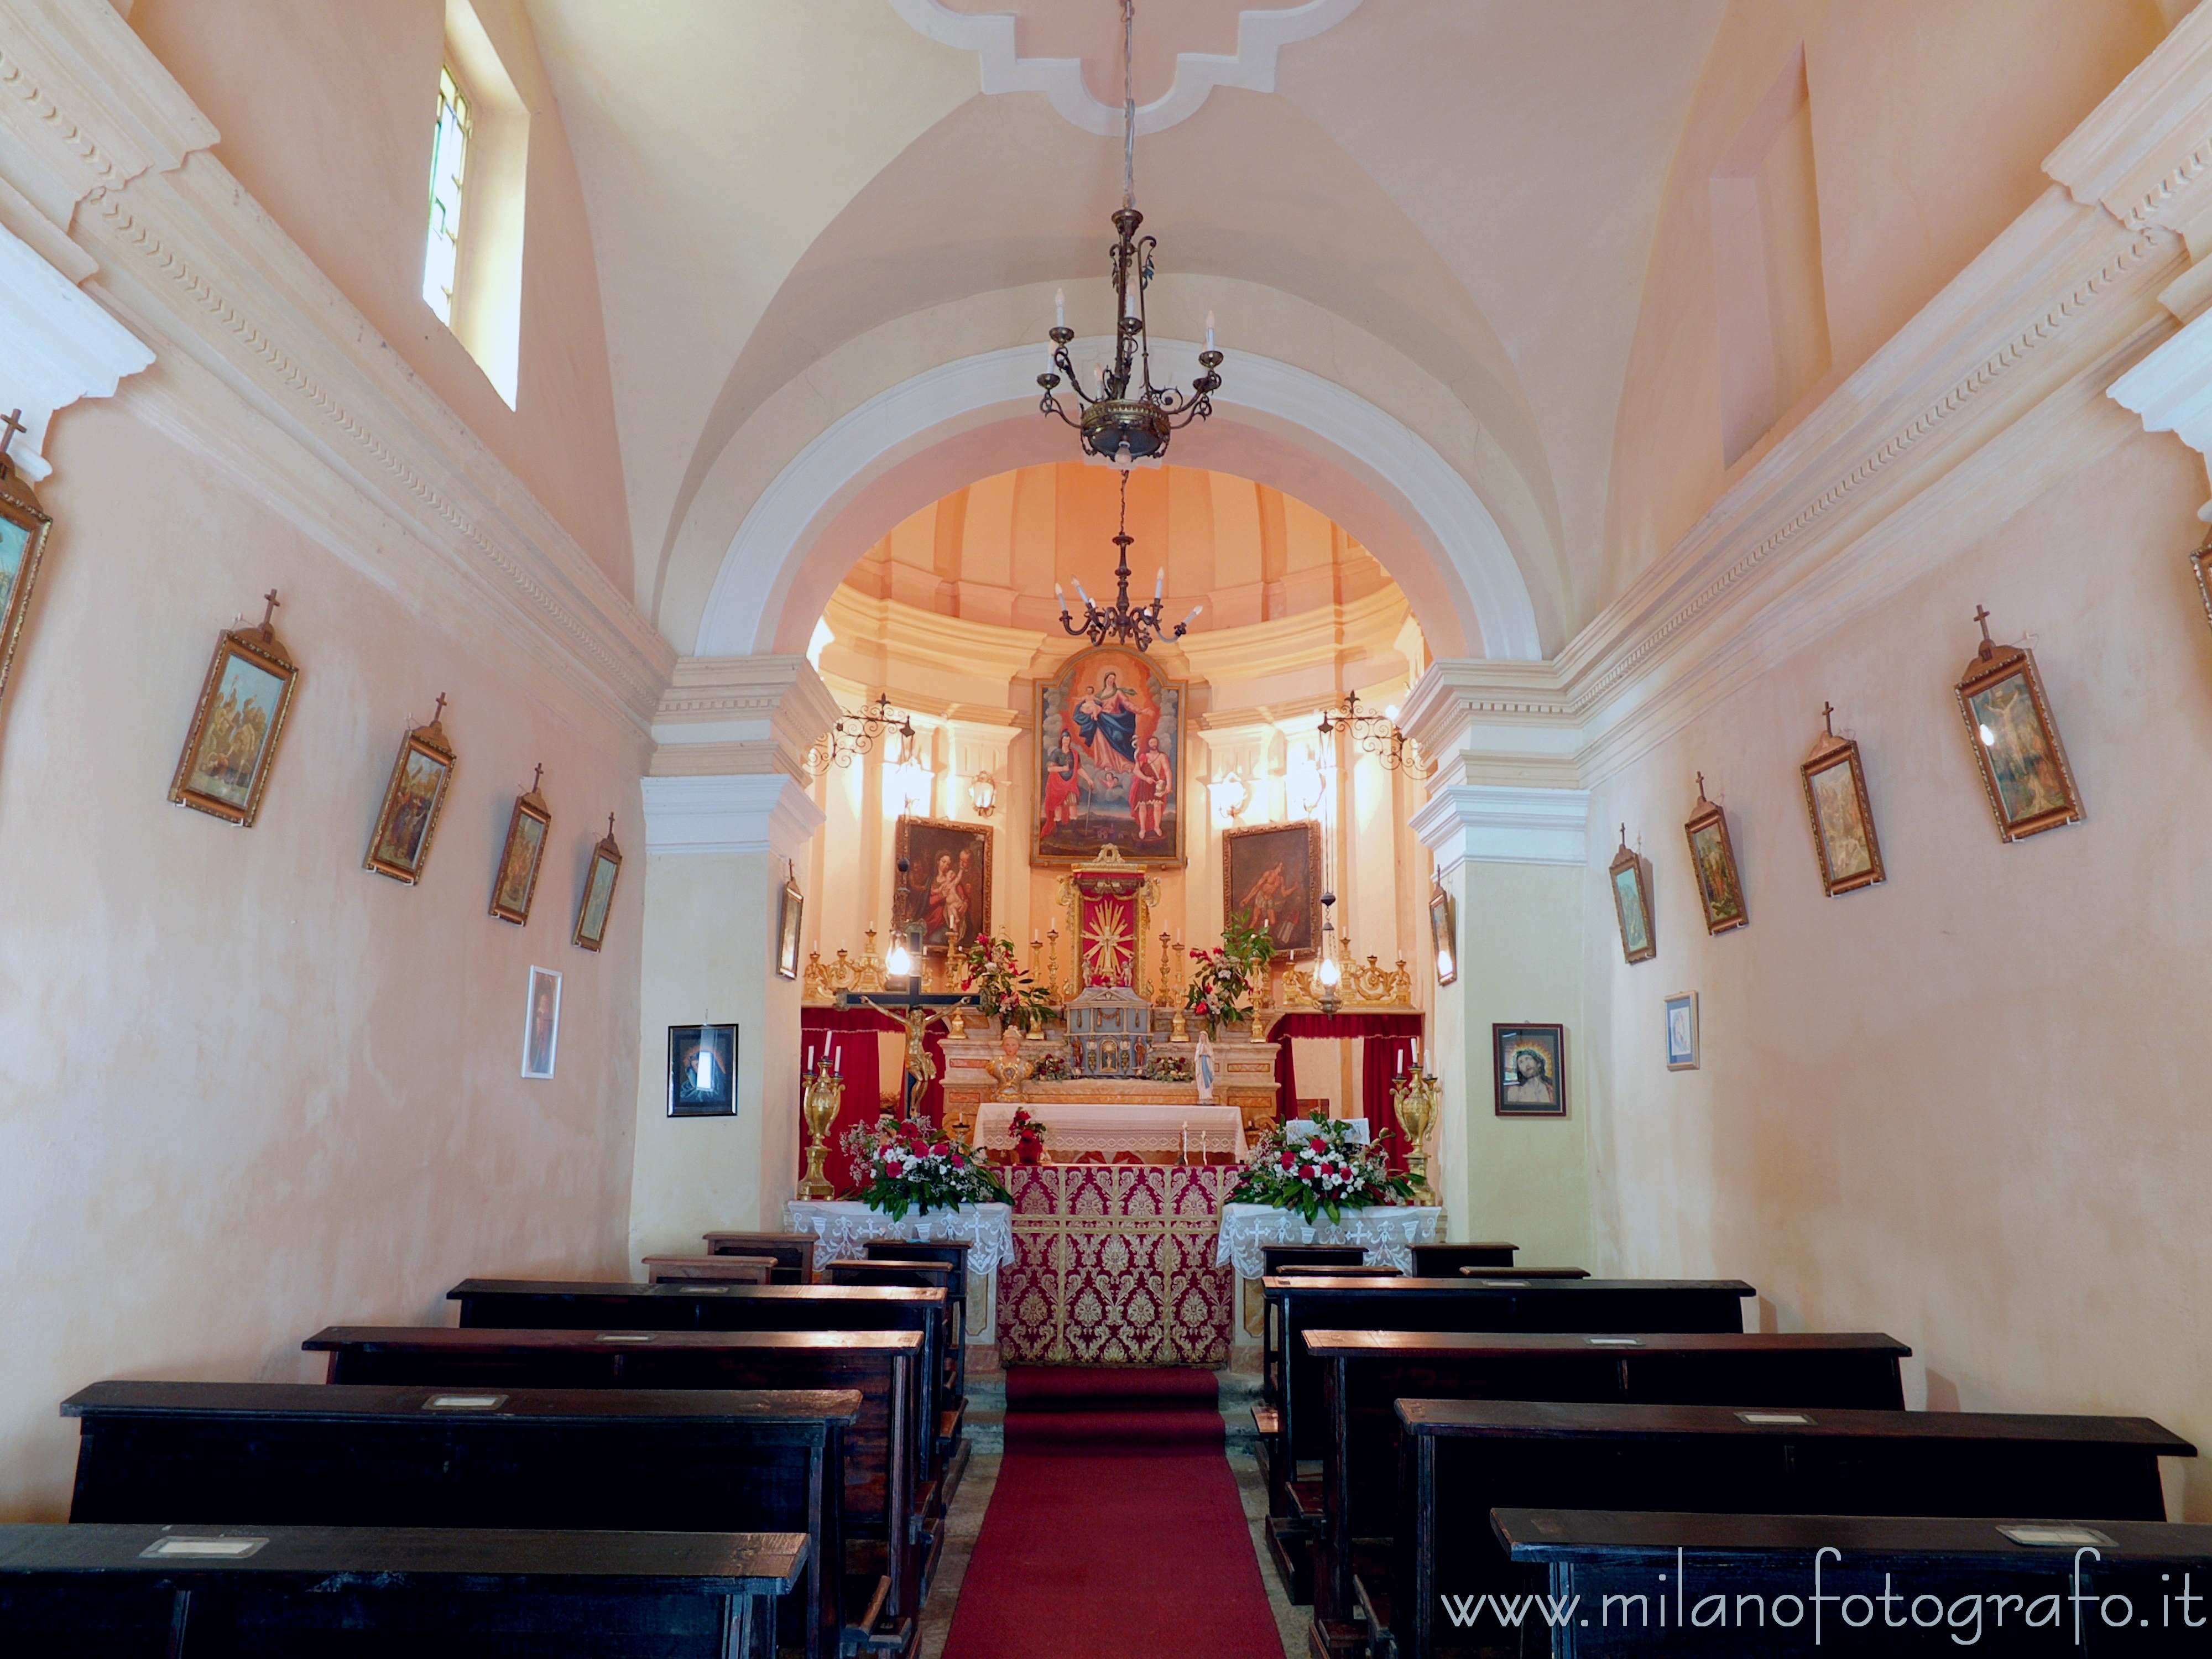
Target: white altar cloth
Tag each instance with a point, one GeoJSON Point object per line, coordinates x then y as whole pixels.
{"type": "Point", "coordinates": [845, 1226]}
{"type": "Point", "coordinates": [1387, 1232]}
{"type": "Point", "coordinates": [1111, 1127]}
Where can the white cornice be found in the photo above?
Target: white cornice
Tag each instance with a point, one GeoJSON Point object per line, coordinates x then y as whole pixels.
{"type": "Point", "coordinates": [894, 636]}
{"type": "Point", "coordinates": [1260, 34]}
{"type": "Point", "coordinates": [740, 715]}
{"type": "Point", "coordinates": [1492, 823]}
{"type": "Point", "coordinates": [759, 813]}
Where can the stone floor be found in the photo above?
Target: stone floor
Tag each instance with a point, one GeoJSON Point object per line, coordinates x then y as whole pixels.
{"type": "Point", "coordinates": [987, 1419]}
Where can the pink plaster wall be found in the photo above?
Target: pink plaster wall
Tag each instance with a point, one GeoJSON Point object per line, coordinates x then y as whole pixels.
{"type": "Point", "coordinates": [326, 107]}
{"type": "Point", "coordinates": [246, 1088]}
{"type": "Point", "coordinates": [1930, 126]}
{"type": "Point", "coordinates": [1968, 1106]}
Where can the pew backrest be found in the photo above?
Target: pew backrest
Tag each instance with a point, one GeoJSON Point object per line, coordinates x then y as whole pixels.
{"type": "Point", "coordinates": [793, 1253]}
{"type": "Point", "coordinates": [1443, 1261]}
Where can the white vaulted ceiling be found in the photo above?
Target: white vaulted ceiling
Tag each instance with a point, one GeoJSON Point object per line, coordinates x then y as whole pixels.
{"type": "Point", "coordinates": [798, 205]}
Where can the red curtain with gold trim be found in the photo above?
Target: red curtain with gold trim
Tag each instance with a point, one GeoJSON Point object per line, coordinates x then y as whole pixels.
{"type": "Point", "coordinates": [1385, 1051]}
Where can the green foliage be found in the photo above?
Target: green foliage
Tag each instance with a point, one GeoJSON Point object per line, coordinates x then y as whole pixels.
{"type": "Point", "coordinates": [1324, 1173]}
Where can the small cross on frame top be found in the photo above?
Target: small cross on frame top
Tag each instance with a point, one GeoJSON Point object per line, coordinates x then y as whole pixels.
{"type": "Point", "coordinates": [438, 713]}
{"type": "Point", "coordinates": [536, 775]}
{"type": "Point", "coordinates": [610, 826]}
{"type": "Point", "coordinates": [10, 426]}
{"type": "Point", "coordinates": [1982, 615]}
{"type": "Point", "coordinates": [269, 612]}
{"type": "Point", "coordinates": [1828, 716]}
{"type": "Point", "coordinates": [1701, 785]}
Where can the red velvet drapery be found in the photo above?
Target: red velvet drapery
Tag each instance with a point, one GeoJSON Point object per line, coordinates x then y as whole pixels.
{"type": "Point", "coordinates": [1385, 1050]}
{"type": "Point", "coordinates": [850, 1033]}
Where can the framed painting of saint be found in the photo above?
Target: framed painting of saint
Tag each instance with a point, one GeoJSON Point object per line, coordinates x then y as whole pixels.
{"type": "Point", "coordinates": [521, 855]}
{"type": "Point", "coordinates": [790, 909]}
{"type": "Point", "coordinates": [1712, 857]}
{"type": "Point", "coordinates": [2014, 740]}
{"type": "Point", "coordinates": [1271, 877]}
{"type": "Point", "coordinates": [1110, 762]}
{"type": "Point", "coordinates": [599, 892]}
{"type": "Point", "coordinates": [399, 846]}
{"type": "Point", "coordinates": [1632, 903]}
{"type": "Point", "coordinates": [541, 1023]}
{"type": "Point", "coordinates": [703, 1071]}
{"type": "Point", "coordinates": [232, 745]}
{"type": "Point", "coordinates": [1528, 1070]}
{"type": "Point", "coordinates": [947, 884]}
{"type": "Point", "coordinates": [1843, 840]}
{"type": "Point", "coordinates": [23, 527]}
{"type": "Point", "coordinates": [1443, 935]}
{"type": "Point", "coordinates": [2200, 562]}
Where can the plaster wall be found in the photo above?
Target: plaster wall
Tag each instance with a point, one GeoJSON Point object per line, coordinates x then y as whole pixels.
{"type": "Point", "coordinates": [248, 1089]}
{"type": "Point", "coordinates": [326, 108]}
{"type": "Point", "coordinates": [1964, 1106]}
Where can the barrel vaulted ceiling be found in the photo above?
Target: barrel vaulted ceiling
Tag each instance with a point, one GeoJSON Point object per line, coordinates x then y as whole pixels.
{"type": "Point", "coordinates": [799, 205]}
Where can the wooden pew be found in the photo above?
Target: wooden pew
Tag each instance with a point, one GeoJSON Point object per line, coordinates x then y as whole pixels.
{"type": "Point", "coordinates": [719, 1269]}
{"type": "Point", "coordinates": [1462, 1459]}
{"type": "Point", "coordinates": [879, 1365]}
{"type": "Point", "coordinates": [1274, 1258]}
{"type": "Point", "coordinates": [952, 1449]}
{"type": "Point", "coordinates": [552, 1304]}
{"type": "Point", "coordinates": [1364, 1374]}
{"type": "Point", "coordinates": [1443, 1261]}
{"type": "Point", "coordinates": [793, 1253]}
{"type": "Point", "coordinates": [69, 1591]}
{"type": "Point", "coordinates": [1507, 1275]}
{"type": "Point", "coordinates": [1763, 1567]}
{"type": "Point", "coordinates": [379, 1455]}
{"type": "Point", "coordinates": [1454, 1303]}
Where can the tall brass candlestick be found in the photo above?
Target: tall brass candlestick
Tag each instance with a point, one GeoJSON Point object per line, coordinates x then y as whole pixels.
{"type": "Point", "coordinates": [1414, 1098]}
{"type": "Point", "coordinates": [824, 1092]}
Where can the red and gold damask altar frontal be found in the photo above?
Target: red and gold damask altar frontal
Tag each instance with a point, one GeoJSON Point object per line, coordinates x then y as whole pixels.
{"type": "Point", "coordinates": [1113, 1265]}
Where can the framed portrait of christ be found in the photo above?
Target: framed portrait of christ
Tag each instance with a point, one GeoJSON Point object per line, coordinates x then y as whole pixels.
{"type": "Point", "coordinates": [1109, 761]}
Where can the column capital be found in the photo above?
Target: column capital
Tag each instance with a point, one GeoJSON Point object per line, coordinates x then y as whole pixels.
{"type": "Point", "coordinates": [1504, 824]}
{"type": "Point", "coordinates": [734, 716]}
{"type": "Point", "coordinates": [1505, 723]}
{"type": "Point", "coordinates": [738, 812]}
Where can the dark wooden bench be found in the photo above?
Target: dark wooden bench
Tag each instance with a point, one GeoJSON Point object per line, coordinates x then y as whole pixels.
{"type": "Point", "coordinates": [553, 1304]}
{"type": "Point", "coordinates": [1746, 1584]}
{"type": "Point", "coordinates": [953, 1447]}
{"type": "Point", "coordinates": [1274, 1258]}
{"type": "Point", "coordinates": [359, 1454]}
{"type": "Point", "coordinates": [179, 1592]}
{"type": "Point", "coordinates": [1364, 1374]}
{"type": "Point", "coordinates": [1443, 1261]}
{"type": "Point", "coordinates": [886, 1535]}
{"type": "Point", "coordinates": [1508, 1275]}
{"type": "Point", "coordinates": [1461, 1459]}
{"type": "Point", "coordinates": [793, 1253]}
{"type": "Point", "coordinates": [717, 1269]}
{"type": "Point", "coordinates": [1295, 1305]}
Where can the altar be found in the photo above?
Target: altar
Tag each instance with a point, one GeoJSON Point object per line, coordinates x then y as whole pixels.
{"type": "Point", "coordinates": [1244, 1086]}
{"type": "Point", "coordinates": [1151, 1130]}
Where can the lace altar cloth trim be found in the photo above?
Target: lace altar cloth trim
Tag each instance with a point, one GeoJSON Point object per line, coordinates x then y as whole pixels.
{"type": "Point", "coordinates": [845, 1227]}
{"type": "Point", "coordinates": [1388, 1232]}
{"type": "Point", "coordinates": [1113, 1265]}
{"type": "Point", "coordinates": [1111, 1128]}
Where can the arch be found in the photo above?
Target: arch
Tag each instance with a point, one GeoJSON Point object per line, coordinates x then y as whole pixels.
{"type": "Point", "coordinates": [977, 416]}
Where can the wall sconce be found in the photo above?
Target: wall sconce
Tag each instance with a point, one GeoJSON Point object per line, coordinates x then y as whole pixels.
{"type": "Point", "coordinates": [1304, 784]}
{"type": "Point", "coordinates": [1229, 795]}
{"type": "Point", "coordinates": [983, 793]}
{"type": "Point", "coordinates": [913, 784]}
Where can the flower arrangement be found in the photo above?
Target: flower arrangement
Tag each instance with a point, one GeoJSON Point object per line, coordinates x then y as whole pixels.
{"type": "Point", "coordinates": [1221, 980]}
{"type": "Point", "coordinates": [903, 1165]}
{"type": "Point", "coordinates": [1323, 1173]}
{"type": "Point", "coordinates": [1029, 1136]}
{"type": "Point", "coordinates": [1002, 987]}
{"type": "Point", "coordinates": [1168, 1068]}
{"type": "Point", "coordinates": [1053, 1066]}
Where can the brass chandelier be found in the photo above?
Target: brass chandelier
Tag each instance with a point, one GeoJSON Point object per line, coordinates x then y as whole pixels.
{"type": "Point", "coordinates": [1127, 419]}
{"type": "Point", "coordinates": [1137, 625]}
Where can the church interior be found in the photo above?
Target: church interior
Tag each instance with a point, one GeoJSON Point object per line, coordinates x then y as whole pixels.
{"type": "Point", "coordinates": [771, 935]}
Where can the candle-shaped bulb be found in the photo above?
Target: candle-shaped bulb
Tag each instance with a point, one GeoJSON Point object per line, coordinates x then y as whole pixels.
{"type": "Point", "coordinates": [1159, 584]}
{"type": "Point", "coordinates": [1192, 618]}
{"type": "Point", "coordinates": [838, 1068]}
{"type": "Point", "coordinates": [1209, 330]}
{"type": "Point", "coordinates": [1060, 307]}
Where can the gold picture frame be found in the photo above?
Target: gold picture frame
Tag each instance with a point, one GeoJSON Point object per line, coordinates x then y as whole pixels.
{"type": "Point", "coordinates": [790, 917]}
{"type": "Point", "coordinates": [2022, 763]}
{"type": "Point", "coordinates": [237, 724]}
{"type": "Point", "coordinates": [1712, 862]}
{"type": "Point", "coordinates": [1443, 934]}
{"type": "Point", "coordinates": [2198, 562]}
{"type": "Point", "coordinates": [1632, 903]}
{"type": "Point", "coordinates": [24, 526]}
{"type": "Point", "coordinates": [1841, 816]}
{"type": "Point", "coordinates": [591, 929]}
{"type": "Point", "coordinates": [1273, 870]}
{"type": "Point", "coordinates": [947, 884]}
{"type": "Point", "coordinates": [522, 854]}
{"type": "Point", "coordinates": [421, 777]}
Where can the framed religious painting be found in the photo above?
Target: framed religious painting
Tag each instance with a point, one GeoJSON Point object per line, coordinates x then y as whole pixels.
{"type": "Point", "coordinates": [2016, 741]}
{"type": "Point", "coordinates": [1632, 903]}
{"type": "Point", "coordinates": [1443, 934]}
{"type": "Point", "coordinates": [1270, 876]}
{"type": "Point", "coordinates": [1681, 1012]}
{"type": "Point", "coordinates": [2200, 562]}
{"type": "Point", "coordinates": [1836, 802]}
{"type": "Point", "coordinates": [1528, 1070]}
{"type": "Point", "coordinates": [23, 527]}
{"type": "Point", "coordinates": [703, 1071]}
{"type": "Point", "coordinates": [947, 885]}
{"type": "Point", "coordinates": [541, 1023]}
{"type": "Point", "coordinates": [232, 745]}
{"type": "Point", "coordinates": [521, 855]}
{"type": "Point", "coordinates": [399, 846]}
{"type": "Point", "coordinates": [790, 912]}
{"type": "Point", "coordinates": [599, 892]}
{"type": "Point", "coordinates": [1712, 859]}
{"type": "Point", "coordinates": [1110, 762]}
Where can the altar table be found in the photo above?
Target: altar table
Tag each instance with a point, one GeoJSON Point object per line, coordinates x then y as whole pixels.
{"type": "Point", "coordinates": [1111, 1127]}
{"type": "Point", "coordinates": [1113, 1265]}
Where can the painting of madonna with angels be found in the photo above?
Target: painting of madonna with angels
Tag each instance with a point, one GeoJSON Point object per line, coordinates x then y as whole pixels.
{"type": "Point", "coordinates": [1109, 731]}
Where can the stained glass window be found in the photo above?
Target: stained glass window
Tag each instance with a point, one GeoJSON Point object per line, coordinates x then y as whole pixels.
{"type": "Point", "coordinates": [449, 165]}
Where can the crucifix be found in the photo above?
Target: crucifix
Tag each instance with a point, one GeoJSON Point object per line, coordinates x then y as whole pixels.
{"type": "Point", "coordinates": [536, 775]}
{"type": "Point", "coordinates": [1988, 646]}
{"type": "Point", "coordinates": [9, 427]}
{"type": "Point", "coordinates": [1827, 715]}
{"type": "Point", "coordinates": [269, 613]}
{"type": "Point", "coordinates": [438, 713]}
{"type": "Point", "coordinates": [1701, 785]}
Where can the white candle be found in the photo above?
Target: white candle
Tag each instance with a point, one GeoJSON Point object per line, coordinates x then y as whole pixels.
{"type": "Point", "coordinates": [1192, 618]}
{"type": "Point", "coordinates": [839, 1069]}
{"type": "Point", "coordinates": [1160, 584]}
{"type": "Point", "coordinates": [1060, 307]}
{"type": "Point", "coordinates": [1209, 330]}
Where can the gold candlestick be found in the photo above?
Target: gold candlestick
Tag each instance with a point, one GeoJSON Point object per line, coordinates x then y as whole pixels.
{"type": "Point", "coordinates": [819, 1100]}
{"type": "Point", "coordinates": [1414, 1098]}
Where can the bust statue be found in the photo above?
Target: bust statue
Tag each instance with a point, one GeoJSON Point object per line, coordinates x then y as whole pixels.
{"type": "Point", "coordinates": [1010, 1071]}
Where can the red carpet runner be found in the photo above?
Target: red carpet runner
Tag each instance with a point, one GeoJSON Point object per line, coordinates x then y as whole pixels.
{"type": "Point", "coordinates": [1116, 1531]}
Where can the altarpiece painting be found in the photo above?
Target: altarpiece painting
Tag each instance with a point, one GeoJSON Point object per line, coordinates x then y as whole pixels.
{"type": "Point", "coordinates": [1270, 876]}
{"type": "Point", "coordinates": [1109, 766]}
